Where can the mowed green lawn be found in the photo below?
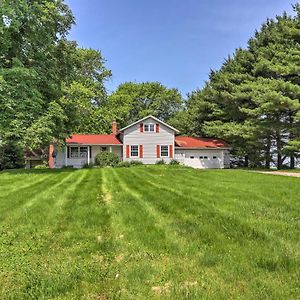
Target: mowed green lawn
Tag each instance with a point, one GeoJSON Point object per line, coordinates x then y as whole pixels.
{"type": "Point", "coordinates": [149, 232]}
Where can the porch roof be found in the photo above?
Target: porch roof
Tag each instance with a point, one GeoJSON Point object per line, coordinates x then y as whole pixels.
{"type": "Point", "coordinates": [93, 139]}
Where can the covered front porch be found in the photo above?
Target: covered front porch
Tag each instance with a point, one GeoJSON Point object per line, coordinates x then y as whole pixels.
{"type": "Point", "coordinates": [79, 155]}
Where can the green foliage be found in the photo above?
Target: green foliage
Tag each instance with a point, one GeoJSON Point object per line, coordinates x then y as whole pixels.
{"type": "Point", "coordinates": [136, 163]}
{"type": "Point", "coordinates": [88, 166]}
{"type": "Point", "coordinates": [124, 164]}
{"type": "Point", "coordinates": [128, 164]}
{"type": "Point", "coordinates": [49, 88]}
{"type": "Point", "coordinates": [11, 155]}
{"type": "Point", "coordinates": [174, 162]}
{"type": "Point", "coordinates": [67, 167]}
{"type": "Point", "coordinates": [41, 167]}
{"type": "Point", "coordinates": [132, 101]}
{"type": "Point", "coordinates": [106, 159]}
{"type": "Point", "coordinates": [253, 100]}
{"type": "Point", "coordinates": [160, 162]}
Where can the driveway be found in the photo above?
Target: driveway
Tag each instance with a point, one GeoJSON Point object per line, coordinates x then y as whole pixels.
{"type": "Point", "coordinates": [291, 174]}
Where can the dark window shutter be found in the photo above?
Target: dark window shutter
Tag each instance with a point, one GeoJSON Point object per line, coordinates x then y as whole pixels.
{"type": "Point", "coordinates": [68, 152]}
{"type": "Point", "coordinates": [141, 127]}
{"type": "Point", "coordinates": [90, 151]}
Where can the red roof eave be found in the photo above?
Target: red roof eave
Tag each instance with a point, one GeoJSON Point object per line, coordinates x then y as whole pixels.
{"type": "Point", "coordinates": [94, 139]}
{"type": "Point", "coordinates": [187, 142]}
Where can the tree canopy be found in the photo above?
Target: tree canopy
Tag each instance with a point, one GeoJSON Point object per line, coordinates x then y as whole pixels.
{"type": "Point", "coordinates": [132, 101]}
{"type": "Point", "coordinates": [49, 87]}
{"type": "Point", "coordinates": [253, 100]}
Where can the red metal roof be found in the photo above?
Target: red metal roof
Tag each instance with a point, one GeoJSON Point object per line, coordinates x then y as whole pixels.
{"type": "Point", "coordinates": [94, 139]}
{"type": "Point", "coordinates": [197, 142]}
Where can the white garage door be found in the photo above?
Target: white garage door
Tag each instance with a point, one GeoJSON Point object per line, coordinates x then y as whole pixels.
{"type": "Point", "coordinates": [203, 161]}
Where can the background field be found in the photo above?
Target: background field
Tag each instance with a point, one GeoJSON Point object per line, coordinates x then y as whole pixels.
{"type": "Point", "coordinates": [149, 232]}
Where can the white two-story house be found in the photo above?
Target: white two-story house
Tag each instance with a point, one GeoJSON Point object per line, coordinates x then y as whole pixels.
{"type": "Point", "coordinates": [147, 140]}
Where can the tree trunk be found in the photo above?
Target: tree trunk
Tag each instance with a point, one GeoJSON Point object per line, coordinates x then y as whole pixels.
{"type": "Point", "coordinates": [292, 162]}
{"type": "Point", "coordinates": [279, 153]}
{"type": "Point", "coordinates": [292, 155]}
{"type": "Point", "coordinates": [268, 153]}
{"type": "Point", "coordinates": [246, 164]}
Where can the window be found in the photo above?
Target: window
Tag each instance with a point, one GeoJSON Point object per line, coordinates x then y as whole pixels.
{"type": "Point", "coordinates": [149, 127]}
{"type": "Point", "coordinates": [192, 157]}
{"type": "Point", "coordinates": [103, 148]}
{"type": "Point", "coordinates": [214, 157]}
{"type": "Point", "coordinates": [78, 152]}
{"type": "Point", "coordinates": [134, 151]}
{"type": "Point", "coordinates": [200, 157]}
{"type": "Point", "coordinates": [205, 157]}
{"type": "Point", "coordinates": [164, 151]}
{"type": "Point", "coordinates": [83, 151]}
{"type": "Point", "coordinates": [74, 152]}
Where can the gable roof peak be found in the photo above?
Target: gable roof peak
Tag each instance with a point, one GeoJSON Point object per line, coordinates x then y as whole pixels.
{"type": "Point", "coordinates": [154, 118]}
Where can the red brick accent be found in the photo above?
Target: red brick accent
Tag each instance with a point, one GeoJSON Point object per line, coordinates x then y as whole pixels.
{"type": "Point", "coordinates": [114, 127]}
{"type": "Point", "coordinates": [127, 151]}
{"type": "Point", "coordinates": [51, 159]}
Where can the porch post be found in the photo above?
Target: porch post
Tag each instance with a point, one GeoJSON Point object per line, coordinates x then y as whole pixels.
{"type": "Point", "coordinates": [66, 155]}
{"type": "Point", "coordinates": [110, 149]}
{"type": "Point", "coordinates": [88, 155]}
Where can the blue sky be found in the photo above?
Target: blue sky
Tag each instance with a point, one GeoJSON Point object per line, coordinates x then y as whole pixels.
{"type": "Point", "coordinates": [175, 42]}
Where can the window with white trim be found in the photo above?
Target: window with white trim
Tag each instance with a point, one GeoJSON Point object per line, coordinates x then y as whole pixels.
{"type": "Point", "coordinates": [149, 127]}
{"type": "Point", "coordinates": [78, 152]}
{"type": "Point", "coordinates": [164, 151]}
{"type": "Point", "coordinates": [74, 152]}
{"type": "Point", "coordinates": [134, 151]}
{"type": "Point", "coordinates": [83, 152]}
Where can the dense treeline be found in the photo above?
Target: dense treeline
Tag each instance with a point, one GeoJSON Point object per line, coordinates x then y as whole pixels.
{"type": "Point", "coordinates": [253, 100]}
{"type": "Point", "coordinates": [48, 85]}
{"type": "Point", "coordinates": [50, 88]}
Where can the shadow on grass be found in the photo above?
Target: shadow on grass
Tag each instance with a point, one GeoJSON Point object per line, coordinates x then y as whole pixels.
{"type": "Point", "coordinates": [38, 171]}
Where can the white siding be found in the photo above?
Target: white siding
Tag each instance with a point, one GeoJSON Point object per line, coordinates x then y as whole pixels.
{"type": "Point", "coordinates": [61, 160]}
{"type": "Point", "coordinates": [149, 140]}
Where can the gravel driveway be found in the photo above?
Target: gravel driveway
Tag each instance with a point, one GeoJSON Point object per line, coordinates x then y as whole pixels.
{"type": "Point", "coordinates": [291, 174]}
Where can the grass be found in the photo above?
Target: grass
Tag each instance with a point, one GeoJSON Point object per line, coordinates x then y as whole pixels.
{"type": "Point", "coordinates": [147, 233]}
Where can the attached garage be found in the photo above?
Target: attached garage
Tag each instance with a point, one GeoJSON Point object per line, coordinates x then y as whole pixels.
{"type": "Point", "coordinates": [202, 153]}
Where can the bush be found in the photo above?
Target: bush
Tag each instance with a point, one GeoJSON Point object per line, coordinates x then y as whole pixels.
{"type": "Point", "coordinates": [88, 166]}
{"type": "Point", "coordinates": [160, 162]}
{"type": "Point", "coordinates": [106, 159]}
{"type": "Point", "coordinates": [174, 162]}
{"type": "Point", "coordinates": [136, 163]}
{"type": "Point", "coordinates": [11, 155]}
{"type": "Point", "coordinates": [124, 164]}
{"type": "Point", "coordinates": [43, 166]}
{"type": "Point", "coordinates": [68, 167]}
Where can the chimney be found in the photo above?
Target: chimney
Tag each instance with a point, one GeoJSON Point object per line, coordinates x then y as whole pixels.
{"type": "Point", "coordinates": [114, 128]}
